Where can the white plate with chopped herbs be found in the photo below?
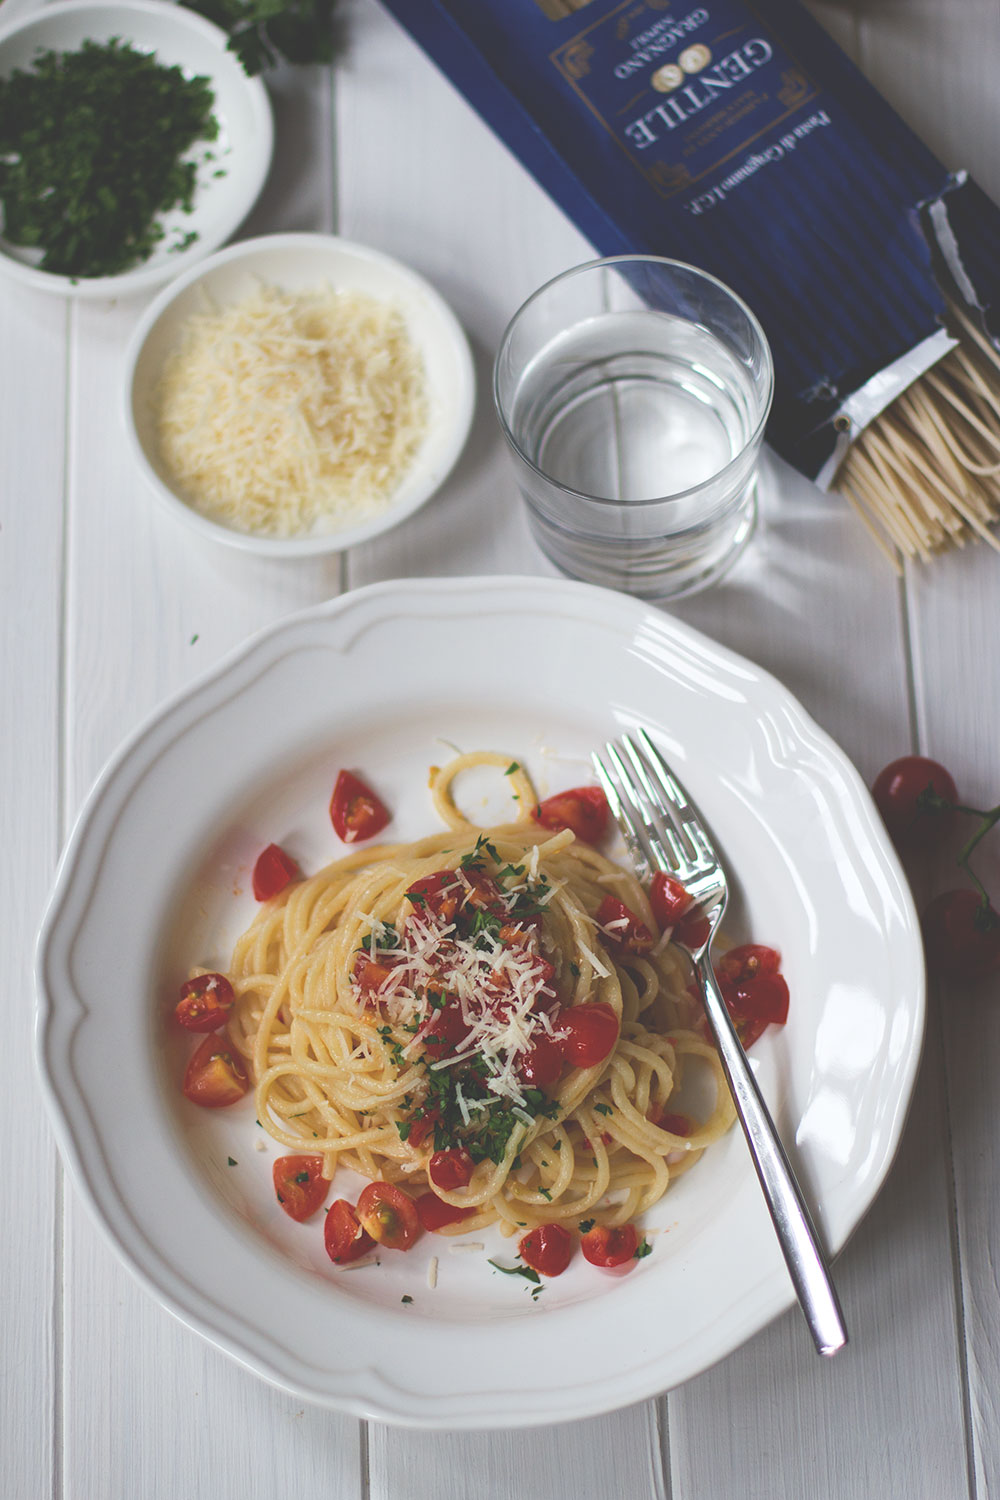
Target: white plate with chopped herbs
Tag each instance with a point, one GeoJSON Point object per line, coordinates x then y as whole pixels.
{"type": "Point", "coordinates": [386, 680]}
{"type": "Point", "coordinates": [144, 102]}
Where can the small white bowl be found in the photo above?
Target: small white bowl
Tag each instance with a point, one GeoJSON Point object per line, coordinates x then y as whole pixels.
{"type": "Point", "coordinates": [296, 262]}
{"type": "Point", "coordinates": [242, 150]}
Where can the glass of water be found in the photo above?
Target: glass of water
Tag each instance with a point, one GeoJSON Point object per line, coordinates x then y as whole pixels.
{"type": "Point", "coordinates": [633, 393]}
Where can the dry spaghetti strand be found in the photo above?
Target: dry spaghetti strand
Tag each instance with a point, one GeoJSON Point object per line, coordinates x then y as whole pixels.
{"type": "Point", "coordinates": [925, 475]}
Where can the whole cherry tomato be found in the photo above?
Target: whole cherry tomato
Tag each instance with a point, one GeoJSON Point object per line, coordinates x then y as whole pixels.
{"type": "Point", "coordinates": [916, 798]}
{"type": "Point", "coordinates": [299, 1185]}
{"type": "Point", "coordinates": [272, 872]}
{"type": "Point", "coordinates": [621, 928]}
{"type": "Point", "coordinates": [668, 898]}
{"type": "Point", "coordinates": [547, 1249]}
{"type": "Point", "coordinates": [435, 1214]}
{"type": "Point", "coordinates": [343, 1236]}
{"type": "Point", "coordinates": [608, 1248]}
{"type": "Point", "coordinates": [451, 1169]}
{"type": "Point", "coordinates": [542, 1064]}
{"type": "Point", "coordinates": [355, 811]}
{"type": "Point", "coordinates": [588, 1033]}
{"type": "Point", "coordinates": [584, 809]}
{"type": "Point", "coordinates": [389, 1215]}
{"type": "Point", "coordinates": [215, 1075]}
{"type": "Point", "coordinates": [961, 935]}
{"type": "Point", "coordinates": [205, 1002]}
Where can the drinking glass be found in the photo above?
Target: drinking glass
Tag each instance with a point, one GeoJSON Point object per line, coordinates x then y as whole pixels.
{"type": "Point", "coordinates": [633, 393]}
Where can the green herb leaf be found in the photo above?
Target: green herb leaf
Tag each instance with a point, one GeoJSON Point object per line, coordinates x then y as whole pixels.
{"type": "Point", "coordinates": [586, 1225]}
{"type": "Point", "coordinates": [643, 1249]}
{"type": "Point", "coordinates": [528, 1272]}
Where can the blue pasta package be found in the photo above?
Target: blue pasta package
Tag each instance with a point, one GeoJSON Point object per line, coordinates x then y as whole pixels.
{"type": "Point", "coordinates": [741, 139]}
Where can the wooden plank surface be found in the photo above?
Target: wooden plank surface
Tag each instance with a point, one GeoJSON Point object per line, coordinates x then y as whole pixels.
{"type": "Point", "coordinates": [106, 1396]}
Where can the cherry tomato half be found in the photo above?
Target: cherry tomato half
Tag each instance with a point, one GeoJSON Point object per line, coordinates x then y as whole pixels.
{"type": "Point", "coordinates": [584, 809]}
{"type": "Point", "coordinates": [355, 811]}
{"type": "Point", "coordinates": [422, 1127]}
{"type": "Point", "coordinates": [389, 1215]}
{"type": "Point", "coordinates": [547, 1249]}
{"type": "Point", "coordinates": [435, 1214]}
{"type": "Point", "coordinates": [370, 974]}
{"type": "Point", "coordinates": [961, 935]}
{"type": "Point", "coordinates": [668, 898]}
{"type": "Point", "coordinates": [621, 928]}
{"type": "Point", "coordinates": [588, 1034]}
{"type": "Point", "coordinates": [674, 1124]}
{"type": "Point", "coordinates": [916, 798]}
{"type": "Point", "coordinates": [299, 1185]}
{"type": "Point", "coordinates": [440, 893]}
{"type": "Point", "coordinates": [747, 961]}
{"type": "Point", "coordinates": [542, 1064]}
{"type": "Point", "coordinates": [205, 1002]}
{"type": "Point", "coordinates": [693, 929]}
{"type": "Point", "coordinates": [610, 1247]}
{"type": "Point", "coordinates": [444, 1031]}
{"type": "Point", "coordinates": [343, 1236]}
{"type": "Point", "coordinates": [215, 1075]}
{"type": "Point", "coordinates": [272, 872]}
{"type": "Point", "coordinates": [451, 1169]}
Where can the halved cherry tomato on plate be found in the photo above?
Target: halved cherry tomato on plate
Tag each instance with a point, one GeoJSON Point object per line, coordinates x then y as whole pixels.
{"type": "Point", "coordinates": [389, 1215]}
{"type": "Point", "coordinates": [273, 871]}
{"type": "Point", "coordinates": [435, 1214]}
{"type": "Point", "coordinates": [674, 1123]}
{"type": "Point", "coordinates": [205, 1002]}
{"type": "Point", "coordinates": [668, 898]}
{"type": "Point", "coordinates": [588, 1033]}
{"type": "Point", "coordinates": [451, 1169]}
{"type": "Point", "coordinates": [215, 1075]}
{"type": "Point", "coordinates": [693, 929]}
{"type": "Point", "coordinates": [542, 1064]}
{"type": "Point", "coordinates": [584, 809]}
{"type": "Point", "coordinates": [355, 811]}
{"type": "Point", "coordinates": [747, 961]}
{"type": "Point", "coordinates": [621, 928]}
{"type": "Point", "coordinates": [547, 1249]}
{"type": "Point", "coordinates": [444, 1031]}
{"type": "Point", "coordinates": [299, 1185]}
{"type": "Point", "coordinates": [343, 1236]}
{"type": "Point", "coordinates": [440, 893]}
{"type": "Point", "coordinates": [608, 1248]}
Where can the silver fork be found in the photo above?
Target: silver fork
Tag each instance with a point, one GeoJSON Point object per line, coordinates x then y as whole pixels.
{"type": "Point", "coordinates": [663, 830]}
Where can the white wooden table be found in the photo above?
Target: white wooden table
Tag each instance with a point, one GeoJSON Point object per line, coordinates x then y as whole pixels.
{"type": "Point", "coordinates": [107, 609]}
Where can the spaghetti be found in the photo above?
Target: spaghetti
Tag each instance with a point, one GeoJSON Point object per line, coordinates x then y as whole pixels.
{"type": "Point", "coordinates": [457, 1000]}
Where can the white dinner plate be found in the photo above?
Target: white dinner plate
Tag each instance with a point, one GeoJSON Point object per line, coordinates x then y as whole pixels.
{"type": "Point", "coordinates": [384, 681]}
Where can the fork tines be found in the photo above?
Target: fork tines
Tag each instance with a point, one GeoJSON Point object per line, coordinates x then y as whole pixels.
{"type": "Point", "coordinates": [661, 828]}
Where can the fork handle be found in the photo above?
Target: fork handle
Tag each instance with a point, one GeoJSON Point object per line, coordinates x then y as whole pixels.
{"type": "Point", "coordinates": [796, 1233]}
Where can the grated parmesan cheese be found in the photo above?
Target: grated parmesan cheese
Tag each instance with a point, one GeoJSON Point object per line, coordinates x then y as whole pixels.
{"type": "Point", "coordinates": [292, 414]}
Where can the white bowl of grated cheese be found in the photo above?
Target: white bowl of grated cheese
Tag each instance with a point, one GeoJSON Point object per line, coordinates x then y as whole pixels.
{"type": "Point", "coordinates": [297, 394]}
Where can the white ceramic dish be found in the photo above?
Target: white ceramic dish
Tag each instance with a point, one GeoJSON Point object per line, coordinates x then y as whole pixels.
{"type": "Point", "coordinates": [296, 262]}
{"type": "Point", "coordinates": [155, 878]}
{"type": "Point", "coordinates": [242, 151]}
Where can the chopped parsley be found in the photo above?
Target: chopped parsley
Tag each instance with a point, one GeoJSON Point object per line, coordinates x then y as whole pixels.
{"type": "Point", "coordinates": [406, 1299]}
{"type": "Point", "coordinates": [643, 1249]}
{"type": "Point", "coordinates": [512, 769]}
{"type": "Point", "coordinates": [96, 144]}
{"type": "Point", "coordinates": [528, 1272]}
{"type": "Point", "coordinates": [232, 1161]}
{"type": "Point", "coordinates": [602, 1109]}
{"type": "Point", "coordinates": [586, 1225]}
